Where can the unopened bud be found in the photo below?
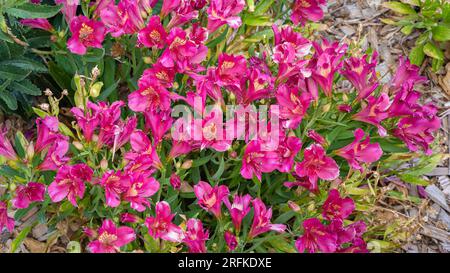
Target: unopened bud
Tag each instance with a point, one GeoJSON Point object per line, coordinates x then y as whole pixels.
{"type": "Point", "coordinates": [326, 108]}
{"type": "Point", "coordinates": [95, 89]}
{"type": "Point", "coordinates": [95, 72]}
{"type": "Point", "coordinates": [65, 92]}
{"type": "Point", "coordinates": [30, 151]}
{"type": "Point", "coordinates": [293, 206]}
{"type": "Point", "coordinates": [78, 145]}
{"type": "Point", "coordinates": [175, 181]}
{"type": "Point", "coordinates": [187, 164]}
{"type": "Point", "coordinates": [48, 92]}
{"type": "Point", "coordinates": [44, 106]}
{"type": "Point", "coordinates": [12, 186]}
{"type": "Point", "coordinates": [104, 164]}
{"type": "Point", "coordinates": [233, 154]}
{"type": "Point", "coordinates": [147, 60]}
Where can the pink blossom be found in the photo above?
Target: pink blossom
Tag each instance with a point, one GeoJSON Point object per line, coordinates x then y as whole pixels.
{"type": "Point", "coordinates": [336, 207]}
{"type": "Point", "coordinates": [344, 108]}
{"type": "Point", "coordinates": [261, 220]}
{"type": "Point", "coordinates": [87, 120]}
{"type": "Point", "coordinates": [164, 75]}
{"type": "Point", "coordinates": [238, 209]}
{"type": "Point", "coordinates": [39, 23]}
{"type": "Point", "coordinates": [257, 161]}
{"type": "Point", "coordinates": [168, 6]}
{"type": "Point", "coordinates": [290, 46]}
{"type": "Point", "coordinates": [231, 69]}
{"type": "Point", "coordinates": [406, 73]}
{"type": "Point", "coordinates": [150, 96]}
{"type": "Point", "coordinates": [161, 225]}
{"type": "Point", "coordinates": [141, 187]}
{"type": "Point", "coordinates": [360, 151]}
{"type": "Point", "coordinates": [159, 122]}
{"type": "Point", "coordinates": [5, 220]}
{"type": "Point", "coordinates": [221, 12]}
{"type": "Point", "coordinates": [6, 149]}
{"type": "Point", "coordinates": [319, 139]}
{"type": "Point", "coordinates": [287, 150]}
{"type": "Point", "coordinates": [182, 14]}
{"type": "Point", "coordinates": [293, 105]}
{"type": "Point", "coordinates": [85, 33]}
{"type": "Point", "coordinates": [69, 182]}
{"type": "Point", "coordinates": [195, 236]}
{"type": "Point", "coordinates": [231, 240]}
{"type": "Point", "coordinates": [115, 184]}
{"type": "Point", "coordinates": [210, 198]}
{"type": "Point", "coordinates": [375, 112]}
{"type": "Point", "coordinates": [129, 218]}
{"type": "Point", "coordinates": [154, 34]}
{"type": "Point", "coordinates": [111, 238]}
{"type": "Point", "coordinates": [361, 74]}
{"type": "Point", "coordinates": [316, 237]}
{"type": "Point", "coordinates": [56, 155]}
{"type": "Point", "coordinates": [69, 8]}
{"type": "Point", "coordinates": [27, 194]}
{"type": "Point", "coordinates": [175, 181]}
{"type": "Point", "coordinates": [304, 10]}
{"type": "Point", "coordinates": [316, 164]}
{"type": "Point", "coordinates": [47, 132]}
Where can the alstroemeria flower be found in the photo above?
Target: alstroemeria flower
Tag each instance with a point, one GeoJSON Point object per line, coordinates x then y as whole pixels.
{"type": "Point", "coordinates": [159, 122]}
{"type": "Point", "coordinates": [231, 240]}
{"type": "Point", "coordinates": [195, 236]}
{"type": "Point", "coordinates": [348, 238]}
{"type": "Point", "coordinates": [87, 120]}
{"type": "Point", "coordinates": [257, 161]}
{"type": "Point", "coordinates": [27, 194]}
{"type": "Point", "coordinates": [210, 198]}
{"type": "Point", "coordinates": [111, 238]}
{"type": "Point", "coordinates": [5, 220]}
{"type": "Point", "coordinates": [375, 112]}
{"type": "Point", "coordinates": [261, 220]}
{"type": "Point", "coordinates": [316, 237]}
{"type": "Point", "coordinates": [69, 182]}
{"type": "Point", "coordinates": [56, 155]}
{"type": "Point", "coordinates": [360, 151]}
{"type": "Point", "coordinates": [175, 181]}
{"type": "Point", "coordinates": [287, 150]}
{"type": "Point", "coordinates": [129, 218]}
{"type": "Point", "coordinates": [141, 187]}
{"type": "Point", "coordinates": [154, 34]}
{"type": "Point", "coordinates": [39, 23]}
{"type": "Point", "coordinates": [143, 156]}
{"type": "Point", "coordinates": [85, 33]}
{"type": "Point", "coordinates": [161, 225]}
{"type": "Point", "coordinates": [6, 149]}
{"type": "Point", "coordinates": [123, 18]}
{"type": "Point", "coordinates": [304, 10]}
{"type": "Point", "coordinates": [336, 207]}
{"type": "Point", "coordinates": [316, 164]}
{"type": "Point", "coordinates": [69, 8]}
{"type": "Point", "coordinates": [293, 105]}
{"type": "Point", "coordinates": [317, 138]}
{"type": "Point", "coordinates": [47, 132]}
{"type": "Point", "coordinates": [182, 14]}
{"type": "Point", "coordinates": [361, 74]}
{"type": "Point", "coordinates": [221, 12]}
{"type": "Point", "coordinates": [231, 69]}
{"type": "Point", "coordinates": [417, 130]}
{"type": "Point", "coordinates": [238, 209]}
{"type": "Point", "coordinates": [290, 46]}
{"type": "Point", "coordinates": [150, 95]}
{"type": "Point", "coordinates": [406, 73]}
{"type": "Point", "coordinates": [115, 184]}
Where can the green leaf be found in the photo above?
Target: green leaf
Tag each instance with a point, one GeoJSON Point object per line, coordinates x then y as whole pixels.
{"type": "Point", "coordinates": [39, 112]}
{"type": "Point", "coordinates": [417, 55]}
{"type": "Point", "coordinates": [412, 179]}
{"type": "Point", "coordinates": [220, 170]}
{"type": "Point", "coordinates": [441, 33]}
{"type": "Point", "coordinates": [256, 20]}
{"type": "Point", "coordinates": [219, 39]}
{"type": "Point", "coordinates": [26, 64]}
{"type": "Point", "coordinates": [9, 99]}
{"type": "Point", "coordinates": [407, 29]}
{"type": "Point", "coordinates": [31, 11]}
{"type": "Point", "coordinates": [11, 72]}
{"type": "Point", "coordinates": [399, 7]}
{"type": "Point", "coordinates": [433, 51]}
{"type": "Point", "coordinates": [20, 144]}
{"type": "Point", "coordinates": [26, 87]}
{"type": "Point", "coordinates": [5, 37]}
{"type": "Point", "coordinates": [263, 6]}
{"type": "Point", "coordinates": [19, 239]}
{"type": "Point", "coordinates": [260, 35]}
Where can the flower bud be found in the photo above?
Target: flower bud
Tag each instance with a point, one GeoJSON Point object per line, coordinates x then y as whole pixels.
{"type": "Point", "coordinates": [129, 218]}
{"type": "Point", "coordinates": [78, 145]}
{"type": "Point", "coordinates": [175, 181]}
{"type": "Point", "coordinates": [30, 151]}
{"type": "Point", "coordinates": [187, 164]}
{"type": "Point", "coordinates": [293, 206]}
{"type": "Point", "coordinates": [104, 164]}
{"type": "Point", "coordinates": [326, 108]}
{"type": "Point", "coordinates": [12, 186]}
{"type": "Point", "coordinates": [95, 89]}
{"type": "Point", "coordinates": [147, 60]}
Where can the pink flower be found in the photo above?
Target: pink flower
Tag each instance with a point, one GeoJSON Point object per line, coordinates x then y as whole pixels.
{"type": "Point", "coordinates": [344, 108]}
{"type": "Point", "coordinates": [287, 150]}
{"type": "Point", "coordinates": [238, 209]}
{"type": "Point", "coordinates": [407, 73]}
{"type": "Point", "coordinates": [168, 6]}
{"type": "Point", "coordinates": [69, 182]}
{"type": "Point", "coordinates": [261, 220]}
{"type": "Point", "coordinates": [361, 74]}
{"type": "Point", "coordinates": [143, 156]}
{"type": "Point", "coordinates": [39, 23]}
{"type": "Point", "coordinates": [195, 236]}
{"type": "Point", "coordinates": [210, 198]}
{"type": "Point", "coordinates": [336, 207]}
{"type": "Point", "coordinates": [231, 240]}
{"type": "Point", "coordinates": [222, 12]}
{"type": "Point", "coordinates": [182, 14]}
{"type": "Point", "coordinates": [417, 130]}
{"type": "Point", "coordinates": [56, 155]}
{"type": "Point", "coordinates": [316, 164]}
{"type": "Point", "coordinates": [293, 105]}
{"type": "Point", "coordinates": [175, 181]}
{"type": "Point", "coordinates": [231, 69]}
{"type": "Point", "coordinates": [111, 238]}
{"type": "Point", "coordinates": [164, 75]}
{"type": "Point", "coordinates": [87, 120]}
{"type": "Point", "coordinates": [257, 161]}
{"type": "Point", "coordinates": [154, 34]}
{"type": "Point", "coordinates": [317, 138]}
{"type": "Point", "coordinates": [69, 8]}
{"type": "Point", "coordinates": [159, 122]}
{"type": "Point", "coordinates": [161, 225]}
{"type": "Point", "coordinates": [6, 149]}
{"type": "Point", "coordinates": [316, 237]}
{"type": "Point", "coordinates": [5, 220]}
{"type": "Point", "coordinates": [304, 10]}
{"type": "Point", "coordinates": [125, 18]}
{"type": "Point", "coordinates": [47, 132]}
{"type": "Point", "coordinates": [375, 112]}
{"type": "Point", "coordinates": [141, 187]}
{"type": "Point", "coordinates": [85, 33]}
{"type": "Point", "coordinates": [290, 46]}
{"type": "Point", "coordinates": [150, 96]}
{"type": "Point", "coordinates": [129, 218]}
{"type": "Point", "coordinates": [348, 238]}
{"type": "Point", "coordinates": [360, 151]}
{"type": "Point", "coordinates": [27, 194]}
{"type": "Point", "coordinates": [115, 184]}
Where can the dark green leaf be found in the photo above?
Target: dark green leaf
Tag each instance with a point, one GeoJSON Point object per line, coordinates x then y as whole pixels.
{"type": "Point", "coordinates": [30, 11]}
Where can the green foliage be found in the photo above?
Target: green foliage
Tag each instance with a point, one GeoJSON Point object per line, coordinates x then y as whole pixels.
{"type": "Point", "coordinates": [432, 19]}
